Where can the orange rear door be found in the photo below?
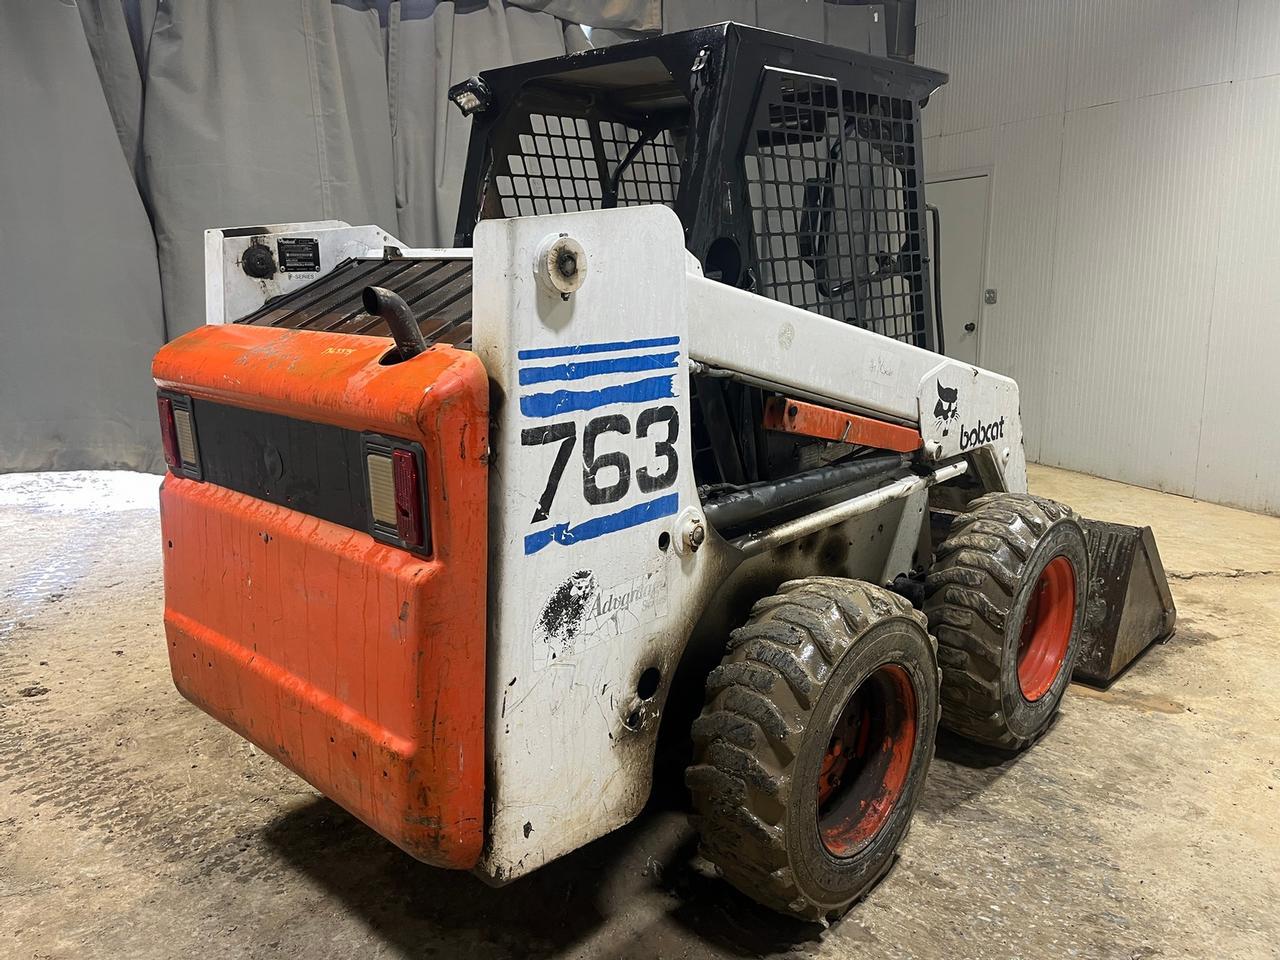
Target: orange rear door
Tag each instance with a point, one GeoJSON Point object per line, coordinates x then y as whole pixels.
{"type": "Point", "coordinates": [303, 608]}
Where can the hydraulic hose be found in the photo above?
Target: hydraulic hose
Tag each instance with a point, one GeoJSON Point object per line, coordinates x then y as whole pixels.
{"type": "Point", "coordinates": [757, 499]}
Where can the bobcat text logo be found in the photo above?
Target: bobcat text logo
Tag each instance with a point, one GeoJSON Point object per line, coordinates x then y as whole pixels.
{"type": "Point", "coordinates": [980, 434]}
{"type": "Point", "coordinates": [947, 409]}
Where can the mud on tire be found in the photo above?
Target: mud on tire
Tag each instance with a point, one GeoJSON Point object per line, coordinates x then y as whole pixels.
{"type": "Point", "coordinates": [810, 656]}
{"type": "Point", "coordinates": [1005, 599]}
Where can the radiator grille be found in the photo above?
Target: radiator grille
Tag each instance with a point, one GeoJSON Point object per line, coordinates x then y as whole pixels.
{"type": "Point", "coordinates": [438, 292]}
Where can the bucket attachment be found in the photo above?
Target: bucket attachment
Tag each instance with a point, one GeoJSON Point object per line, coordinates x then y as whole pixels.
{"type": "Point", "coordinates": [1129, 605]}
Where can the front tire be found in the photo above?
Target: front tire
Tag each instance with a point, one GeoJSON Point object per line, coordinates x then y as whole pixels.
{"type": "Point", "coordinates": [1006, 600]}
{"type": "Point", "coordinates": [813, 745]}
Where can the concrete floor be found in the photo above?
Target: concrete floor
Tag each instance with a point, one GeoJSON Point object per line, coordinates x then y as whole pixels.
{"type": "Point", "coordinates": [1147, 823]}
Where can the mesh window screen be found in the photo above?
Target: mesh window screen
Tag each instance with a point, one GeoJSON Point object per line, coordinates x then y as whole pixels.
{"type": "Point", "coordinates": [565, 164]}
{"type": "Point", "coordinates": [835, 210]}
{"type": "Point", "coordinates": [880, 147]}
{"type": "Point", "coordinates": [796, 168]}
{"type": "Point", "coordinates": [652, 171]}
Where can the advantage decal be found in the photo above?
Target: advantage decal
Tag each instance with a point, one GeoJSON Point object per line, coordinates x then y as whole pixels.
{"type": "Point", "coordinates": [581, 613]}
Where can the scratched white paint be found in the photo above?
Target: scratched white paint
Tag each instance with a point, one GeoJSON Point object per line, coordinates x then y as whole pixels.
{"type": "Point", "coordinates": [575, 623]}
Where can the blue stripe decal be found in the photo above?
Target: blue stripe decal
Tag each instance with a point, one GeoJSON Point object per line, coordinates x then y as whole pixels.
{"type": "Point", "coordinates": [560, 402]}
{"type": "Point", "coordinates": [566, 535]}
{"type": "Point", "coordinates": [593, 368]}
{"type": "Point", "coordinates": [576, 349]}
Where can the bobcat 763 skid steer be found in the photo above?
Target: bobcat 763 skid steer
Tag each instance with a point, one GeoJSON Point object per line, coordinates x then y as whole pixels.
{"type": "Point", "coordinates": [455, 533]}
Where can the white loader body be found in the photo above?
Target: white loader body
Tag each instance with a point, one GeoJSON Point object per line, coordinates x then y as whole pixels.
{"type": "Point", "coordinates": [602, 564]}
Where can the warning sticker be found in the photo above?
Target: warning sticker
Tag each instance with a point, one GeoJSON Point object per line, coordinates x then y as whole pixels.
{"type": "Point", "coordinates": [299, 254]}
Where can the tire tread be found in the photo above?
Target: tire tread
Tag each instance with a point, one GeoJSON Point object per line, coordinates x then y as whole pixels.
{"type": "Point", "coordinates": [737, 787]}
{"type": "Point", "coordinates": [969, 593]}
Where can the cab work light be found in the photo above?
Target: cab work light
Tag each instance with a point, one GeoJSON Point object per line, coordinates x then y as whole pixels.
{"type": "Point", "coordinates": [397, 502]}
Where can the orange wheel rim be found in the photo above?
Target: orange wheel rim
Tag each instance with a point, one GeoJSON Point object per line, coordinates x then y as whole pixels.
{"type": "Point", "coordinates": [1046, 629]}
{"type": "Point", "coordinates": [864, 770]}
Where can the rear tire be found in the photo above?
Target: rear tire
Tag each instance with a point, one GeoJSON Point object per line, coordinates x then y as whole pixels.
{"type": "Point", "coordinates": [794, 817]}
{"type": "Point", "coordinates": [1006, 600]}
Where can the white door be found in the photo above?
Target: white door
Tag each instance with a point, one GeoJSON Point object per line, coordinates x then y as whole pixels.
{"type": "Point", "coordinates": [962, 209]}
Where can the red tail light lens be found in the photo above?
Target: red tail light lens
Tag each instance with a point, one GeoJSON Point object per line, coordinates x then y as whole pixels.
{"type": "Point", "coordinates": [408, 498]}
{"type": "Point", "coordinates": [169, 434]}
{"type": "Point", "coordinates": [395, 475]}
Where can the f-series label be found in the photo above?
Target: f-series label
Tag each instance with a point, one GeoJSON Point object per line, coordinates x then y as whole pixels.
{"type": "Point", "coordinates": [980, 434]}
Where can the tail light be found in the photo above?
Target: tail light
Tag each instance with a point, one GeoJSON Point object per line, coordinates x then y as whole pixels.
{"type": "Point", "coordinates": [408, 498]}
{"type": "Point", "coordinates": [169, 434]}
{"type": "Point", "coordinates": [178, 433]}
{"type": "Point", "coordinates": [397, 502]}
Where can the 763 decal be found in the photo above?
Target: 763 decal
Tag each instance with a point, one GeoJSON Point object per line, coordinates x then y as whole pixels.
{"type": "Point", "coordinates": [624, 387]}
{"type": "Point", "coordinates": [607, 474]}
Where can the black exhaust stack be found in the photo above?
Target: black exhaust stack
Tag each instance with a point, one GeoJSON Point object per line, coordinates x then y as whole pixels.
{"type": "Point", "coordinates": [390, 307]}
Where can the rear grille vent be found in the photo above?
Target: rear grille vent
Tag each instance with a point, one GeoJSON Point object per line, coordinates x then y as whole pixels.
{"type": "Point", "coordinates": [437, 290]}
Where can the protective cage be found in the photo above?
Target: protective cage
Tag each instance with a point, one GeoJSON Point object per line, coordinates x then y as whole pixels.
{"type": "Point", "coordinates": [796, 167]}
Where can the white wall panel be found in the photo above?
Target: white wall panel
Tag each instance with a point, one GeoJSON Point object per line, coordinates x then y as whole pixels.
{"type": "Point", "coordinates": [1027, 78]}
{"type": "Point", "coordinates": [1257, 39]}
{"type": "Point", "coordinates": [960, 151]}
{"type": "Point", "coordinates": [1136, 252]}
{"type": "Point", "coordinates": [971, 95]}
{"type": "Point", "coordinates": [1124, 49]}
{"type": "Point", "coordinates": [1020, 265]}
{"type": "Point", "coordinates": [1033, 74]}
{"type": "Point", "coordinates": [1239, 440]}
{"type": "Point", "coordinates": [933, 50]}
{"type": "Point", "coordinates": [1135, 204]}
{"type": "Point", "coordinates": [927, 10]}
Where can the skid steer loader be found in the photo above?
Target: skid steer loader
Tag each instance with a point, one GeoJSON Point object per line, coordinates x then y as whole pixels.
{"type": "Point", "coordinates": [666, 442]}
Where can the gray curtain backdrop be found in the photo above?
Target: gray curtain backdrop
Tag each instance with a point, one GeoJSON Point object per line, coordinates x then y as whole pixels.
{"type": "Point", "coordinates": [127, 127]}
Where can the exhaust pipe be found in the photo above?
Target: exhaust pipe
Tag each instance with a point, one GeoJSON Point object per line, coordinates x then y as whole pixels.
{"type": "Point", "coordinates": [390, 306]}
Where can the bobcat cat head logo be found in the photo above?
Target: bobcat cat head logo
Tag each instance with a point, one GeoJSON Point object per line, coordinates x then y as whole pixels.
{"type": "Point", "coordinates": [946, 410]}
